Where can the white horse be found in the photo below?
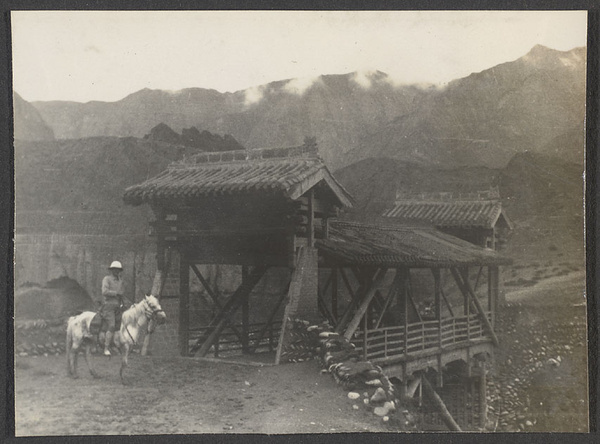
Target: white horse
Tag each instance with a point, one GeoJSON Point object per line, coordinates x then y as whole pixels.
{"type": "Point", "coordinates": [134, 320]}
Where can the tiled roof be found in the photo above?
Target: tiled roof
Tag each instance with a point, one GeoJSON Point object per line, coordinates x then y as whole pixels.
{"type": "Point", "coordinates": [378, 245]}
{"type": "Point", "coordinates": [289, 171]}
{"type": "Point", "coordinates": [473, 213]}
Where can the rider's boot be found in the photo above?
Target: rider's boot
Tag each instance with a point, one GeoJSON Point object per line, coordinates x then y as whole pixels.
{"type": "Point", "coordinates": [107, 341]}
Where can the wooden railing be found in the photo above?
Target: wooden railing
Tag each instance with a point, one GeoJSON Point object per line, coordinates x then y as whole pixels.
{"type": "Point", "coordinates": [399, 341]}
{"type": "Point", "coordinates": [262, 337]}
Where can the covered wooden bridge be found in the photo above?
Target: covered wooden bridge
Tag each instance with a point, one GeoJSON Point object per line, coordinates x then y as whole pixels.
{"type": "Point", "coordinates": [419, 298]}
{"type": "Point", "coordinates": [410, 298]}
{"type": "Point", "coordinates": [477, 216]}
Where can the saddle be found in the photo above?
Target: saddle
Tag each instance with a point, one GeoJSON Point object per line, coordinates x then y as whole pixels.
{"type": "Point", "coordinates": [100, 324]}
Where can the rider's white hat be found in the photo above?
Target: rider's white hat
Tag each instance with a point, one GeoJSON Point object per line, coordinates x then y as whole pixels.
{"type": "Point", "coordinates": [116, 264]}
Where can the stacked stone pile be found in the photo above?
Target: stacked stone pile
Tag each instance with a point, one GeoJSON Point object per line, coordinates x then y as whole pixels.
{"type": "Point", "coordinates": [38, 337]}
{"type": "Point", "coordinates": [534, 350]}
{"type": "Point", "coordinates": [368, 386]}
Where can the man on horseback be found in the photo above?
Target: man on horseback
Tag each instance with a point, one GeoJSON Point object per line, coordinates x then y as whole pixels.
{"type": "Point", "coordinates": [112, 292]}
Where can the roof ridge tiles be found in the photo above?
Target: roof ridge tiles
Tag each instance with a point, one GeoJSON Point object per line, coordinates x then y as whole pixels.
{"type": "Point", "coordinates": [307, 151]}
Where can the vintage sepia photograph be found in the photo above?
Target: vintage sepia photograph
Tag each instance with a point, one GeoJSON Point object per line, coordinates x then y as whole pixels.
{"type": "Point", "coordinates": [295, 222]}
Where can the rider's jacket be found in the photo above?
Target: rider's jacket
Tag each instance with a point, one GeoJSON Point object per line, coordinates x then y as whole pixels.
{"type": "Point", "coordinates": [112, 287]}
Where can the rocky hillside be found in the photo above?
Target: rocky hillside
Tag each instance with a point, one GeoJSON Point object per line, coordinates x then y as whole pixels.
{"type": "Point", "coordinates": [542, 194]}
{"type": "Point", "coordinates": [29, 124]}
{"type": "Point", "coordinates": [536, 103]}
{"type": "Point", "coordinates": [192, 137]}
{"type": "Point", "coordinates": [86, 174]}
{"type": "Point", "coordinates": [483, 119]}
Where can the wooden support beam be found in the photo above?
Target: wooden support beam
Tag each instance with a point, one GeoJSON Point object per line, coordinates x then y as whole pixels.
{"type": "Point", "coordinates": [270, 318]}
{"type": "Point", "coordinates": [356, 298]}
{"type": "Point", "coordinates": [334, 292]}
{"type": "Point", "coordinates": [409, 294]}
{"type": "Point", "coordinates": [323, 308]}
{"type": "Point", "coordinates": [443, 294]}
{"type": "Point", "coordinates": [447, 303]}
{"type": "Point", "coordinates": [391, 295]}
{"type": "Point", "coordinates": [347, 283]}
{"type": "Point", "coordinates": [437, 286]}
{"type": "Point", "coordinates": [311, 217]}
{"type": "Point", "coordinates": [478, 277]}
{"type": "Point", "coordinates": [233, 304]}
{"type": "Point", "coordinates": [406, 272]}
{"type": "Point", "coordinates": [213, 294]}
{"type": "Point", "coordinates": [439, 403]}
{"type": "Point", "coordinates": [482, 395]}
{"type": "Point", "coordinates": [468, 291]}
{"type": "Point", "coordinates": [184, 305]}
{"type": "Point", "coordinates": [327, 284]}
{"type": "Point", "coordinates": [354, 323]}
{"type": "Point", "coordinates": [245, 313]}
{"type": "Point", "coordinates": [412, 387]}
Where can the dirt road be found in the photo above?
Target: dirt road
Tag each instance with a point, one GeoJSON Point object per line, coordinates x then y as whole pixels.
{"type": "Point", "coordinates": [182, 395]}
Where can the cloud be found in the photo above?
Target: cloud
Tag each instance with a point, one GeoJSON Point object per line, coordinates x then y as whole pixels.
{"type": "Point", "coordinates": [366, 78]}
{"type": "Point", "coordinates": [253, 95]}
{"type": "Point", "coordinates": [301, 85]}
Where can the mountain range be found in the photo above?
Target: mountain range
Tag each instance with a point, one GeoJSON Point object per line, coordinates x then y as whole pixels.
{"type": "Point", "coordinates": [533, 104]}
{"type": "Point", "coordinates": [518, 126]}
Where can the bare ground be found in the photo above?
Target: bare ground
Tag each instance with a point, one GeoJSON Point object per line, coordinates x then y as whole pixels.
{"type": "Point", "coordinates": [189, 396]}
{"type": "Point", "coordinates": [182, 395]}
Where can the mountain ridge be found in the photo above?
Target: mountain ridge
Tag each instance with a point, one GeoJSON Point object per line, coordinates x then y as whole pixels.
{"type": "Point", "coordinates": [481, 119]}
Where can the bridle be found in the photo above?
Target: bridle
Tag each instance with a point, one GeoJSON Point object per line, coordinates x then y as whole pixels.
{"type": "Point", "coordinates": [150, 312]}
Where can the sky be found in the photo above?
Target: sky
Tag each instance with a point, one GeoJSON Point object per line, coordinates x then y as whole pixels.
{"type": "Point", "coordinates": [107, 55]}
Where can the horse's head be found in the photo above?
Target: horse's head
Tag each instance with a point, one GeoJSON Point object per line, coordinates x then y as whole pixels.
{"type": "Point", "coordinates": [154, 310]}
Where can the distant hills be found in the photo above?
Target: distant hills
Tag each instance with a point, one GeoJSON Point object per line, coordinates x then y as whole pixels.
{"type": "Point", "coordinates": [192, 137]}
{"type": "Point", "coordinates": [28, 123]}
{"type": "Point", "coordinates": [532, 104]}
{"type": "Point", "coordinates": [517, 126]}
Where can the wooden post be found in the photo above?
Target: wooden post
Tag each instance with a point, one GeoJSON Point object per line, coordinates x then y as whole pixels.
{"type": "Point", "coordinates": [482, 395]}
{"type": "Point", "coordinates": [311, 218]}
{"type": "Point", "coordinates": [493, 288]}
{"type": "Point", "coordinates": [365, 325]}
{"type": "Point", "coordinates": [213, 294]}
{"type": "Point", "coordinates": [232, 305]}
{"type": "Point", "coordinates": [364, 283]}
{"type": "Point", "coordinates": [439, 403]}
{"type": "Point", "coordinates": [353, 325]}
{"type": "Point", "coordinates": [245, 313]}
{"type": "Point", "coordinates": [405, 308]}
{"type": "Point", "coordinates": [438, 302]}
{"type": "Point", "coordinates": [392, 293]}
{"type": "Point", "coordinates": [184, 304]}
{"type": "Point", "coordinates": [334, 293]}
{"type": "Point", "coordinates": [468, 292]}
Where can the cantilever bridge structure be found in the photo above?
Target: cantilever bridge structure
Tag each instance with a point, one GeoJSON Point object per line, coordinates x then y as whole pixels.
{"type": "Point", "coordinates": [412, 299]}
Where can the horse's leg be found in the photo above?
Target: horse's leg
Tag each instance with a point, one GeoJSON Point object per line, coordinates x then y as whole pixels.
{"type": "Point", "coordinates": [74, 354]}
{"type": "Point", "coordinates": [124, 360]}
{"type": "Point", "coordinates": [147, 336]}
{"type": "Point", "coordinates": [69, 345]}
{"type": "Point", "coordinates": [88, 358]}
{"type": "Point", "coordinates": [75, 344]}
